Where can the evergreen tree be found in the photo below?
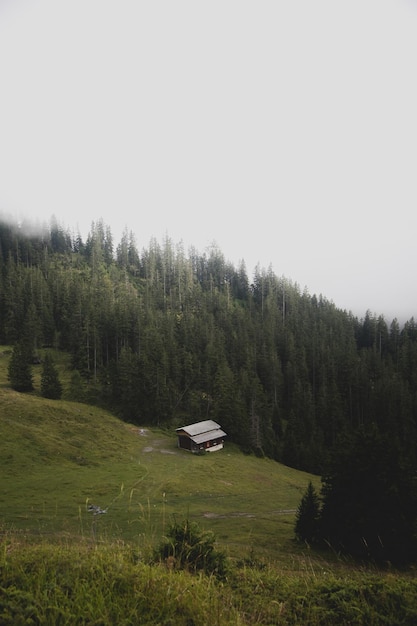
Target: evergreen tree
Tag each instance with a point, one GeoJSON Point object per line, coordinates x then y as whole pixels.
{"type": "Point", "coordinates": [307, 517]}
{"type": "Point", "coordinates": [77, 387]}
{"type": "Point", "coordinates": [126, 387]}
{"type": "Point", "coordinates": [50, 384]}
{"type": "Point", "coordinates": [370, 499]}
{"type": "Point", "coordinates": [20, 368]}
{"type": "Point", "coordinates": [228, 408]}
{"type": "Point", "coordinates": [282, 372]}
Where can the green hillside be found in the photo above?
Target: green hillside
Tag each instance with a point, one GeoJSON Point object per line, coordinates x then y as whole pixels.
{"type": "Point", "coordinates": [60, 563]}
{"type": "Point", "coordinates": [59, 457]}
{"type": "Point", "coordinates": [159, 336]}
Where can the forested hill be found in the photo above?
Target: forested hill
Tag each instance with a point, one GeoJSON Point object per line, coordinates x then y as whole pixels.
{"type": "Point", "coordinates": [164, 336]}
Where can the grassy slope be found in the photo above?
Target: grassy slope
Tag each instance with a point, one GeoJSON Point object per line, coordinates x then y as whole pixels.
{"type": "Point", "coordinates": [56, 457]}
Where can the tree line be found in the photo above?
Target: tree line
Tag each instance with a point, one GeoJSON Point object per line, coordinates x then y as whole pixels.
{"type": "Point", "coordinates": [162, 336]}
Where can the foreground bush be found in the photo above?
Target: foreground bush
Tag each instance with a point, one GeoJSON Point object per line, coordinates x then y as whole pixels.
{"type": "Point", "coordinates": [188, 547]}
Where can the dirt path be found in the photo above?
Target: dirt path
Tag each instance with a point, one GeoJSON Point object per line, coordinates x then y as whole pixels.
{"type": "Point", "coordinates": [209, 515]}
{"type": "Point", "coordinates": [155, 445]}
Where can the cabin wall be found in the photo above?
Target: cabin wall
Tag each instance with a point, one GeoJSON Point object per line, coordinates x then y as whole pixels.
{"type": "Point", "coordinates": [184, 442]}
{"type": "Point", "coordinates": [211, 445]}
{"type": "Point", "coordinates": [215, 447]}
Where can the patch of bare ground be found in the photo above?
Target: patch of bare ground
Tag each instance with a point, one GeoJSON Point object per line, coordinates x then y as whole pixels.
{"type": "Point", "coordinates": [155, 445]}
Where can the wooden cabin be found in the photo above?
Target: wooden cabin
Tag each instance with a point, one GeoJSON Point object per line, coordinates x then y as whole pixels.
{"type": "Point", "coordinates": [201, 436]}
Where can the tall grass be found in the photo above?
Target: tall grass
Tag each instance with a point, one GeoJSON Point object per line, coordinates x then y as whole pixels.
{"type": "Point", "coordinates": [107, 584]}
{"type": "Point", "coordinates": [84, 584]}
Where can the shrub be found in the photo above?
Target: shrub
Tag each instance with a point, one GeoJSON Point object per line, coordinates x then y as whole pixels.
{"type": "Point", "coordinates": [188, 547]}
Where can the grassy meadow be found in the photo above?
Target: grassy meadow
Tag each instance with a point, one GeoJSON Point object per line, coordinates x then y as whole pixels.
{"type": "Point", "coordinates": [59, 457]}
{"type": "Point", "coordinates": [61, 563]}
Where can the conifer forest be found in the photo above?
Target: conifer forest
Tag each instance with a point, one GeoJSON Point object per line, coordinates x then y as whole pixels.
{"type": "Point", "coordinates": [164, 336]}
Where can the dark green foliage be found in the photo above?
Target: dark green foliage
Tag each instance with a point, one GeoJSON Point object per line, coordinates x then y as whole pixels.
{"type": "Point", "coordinates": [51, 386]}
{"type": "Point", "coordinates": [188, 547]}
{"type": "Point", "coordinates": [158, 335]}
{"type": "Point", "coordinates": [76, 389]}
{"type": "Point", "coordinates": [370, 499]}
{"type": "Point", "coordinates": [308, 516]}
{"type": "Point", "coordinates": [20, 368]}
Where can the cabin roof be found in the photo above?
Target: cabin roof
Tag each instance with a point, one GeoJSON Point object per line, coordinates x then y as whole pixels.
{"type": "Point", "coordinates": [200, 428]}
{"type": "Point", "coordinates": [212, 434]}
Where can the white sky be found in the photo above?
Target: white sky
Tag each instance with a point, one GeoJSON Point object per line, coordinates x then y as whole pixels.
{"type": "Point", "coordinates": [285, 131]}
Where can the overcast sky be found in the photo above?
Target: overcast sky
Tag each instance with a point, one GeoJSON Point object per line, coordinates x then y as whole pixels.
{"type": "Point", "coordinates": [284, 131]}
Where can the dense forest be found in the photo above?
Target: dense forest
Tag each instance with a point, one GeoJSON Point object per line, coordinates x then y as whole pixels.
{"type": "Point", "coordinates": [162, 336]}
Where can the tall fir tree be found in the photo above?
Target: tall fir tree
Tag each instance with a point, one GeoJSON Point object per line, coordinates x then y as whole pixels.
{"type": "Point", "coordinates": [51, 386]}
{"type": "Point", "coordinates": [308, 515]}
{"type": "Point", "coordinates": [20, 368]}
{"type": "Point", "coordinates": [370, 499]}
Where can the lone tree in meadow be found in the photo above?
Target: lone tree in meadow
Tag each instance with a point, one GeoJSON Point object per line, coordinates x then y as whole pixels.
{"type": "Point", "coordinates": [308, 515]}
{"type": "Point", "coordinates": [50, 384]}
{"type": "Point", "coordinates": [20, 368]}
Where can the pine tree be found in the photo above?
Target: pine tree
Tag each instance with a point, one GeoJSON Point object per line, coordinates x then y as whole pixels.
{"type": "Point", "coordinates": [370, 499]}
{"type": "Point", "coordinates": [77, 387]}
{"type": "Point", "coordinates": [308, 514]}
{"type": "Point", "coordinates": [20, 368]}
{"type": "Point", "coordinates": [50, 384]}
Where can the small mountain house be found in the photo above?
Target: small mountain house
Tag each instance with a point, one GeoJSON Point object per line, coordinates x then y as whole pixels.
{"type": "Point", "coordinates": [206, 435]}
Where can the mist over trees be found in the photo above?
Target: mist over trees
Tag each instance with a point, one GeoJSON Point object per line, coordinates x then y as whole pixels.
{"type": "Point", "coordinates": [162, 336]}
